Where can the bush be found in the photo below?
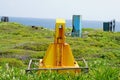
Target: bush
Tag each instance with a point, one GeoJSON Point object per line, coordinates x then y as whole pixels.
{"type": "Point", "coordinates": [12, 62]}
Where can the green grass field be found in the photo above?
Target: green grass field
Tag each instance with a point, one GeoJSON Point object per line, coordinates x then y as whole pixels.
{"type": "Point", "coordinates": [19, 44]}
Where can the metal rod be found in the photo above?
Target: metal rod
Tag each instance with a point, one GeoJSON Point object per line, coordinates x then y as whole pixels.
{"type": "Point", "coordinates": [85, 62]}
{"type": "Point", "coordinates": [29, 64]}
{"type": "Point", "coordinates": [56, 68]}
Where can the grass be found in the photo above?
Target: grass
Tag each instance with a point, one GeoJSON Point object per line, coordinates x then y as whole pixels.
{"type": "Point", "coordinates": [20, 43]}
{"type": "Point", "coordinates": [104, 73]}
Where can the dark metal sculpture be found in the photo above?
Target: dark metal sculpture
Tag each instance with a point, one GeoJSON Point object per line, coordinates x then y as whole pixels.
{"type": "Point", "coordinates": [109, 26]}
{"type": "Point", "coordinates": [4, 19]}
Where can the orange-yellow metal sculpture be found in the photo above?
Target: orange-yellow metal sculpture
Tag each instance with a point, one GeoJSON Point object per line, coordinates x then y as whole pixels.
{"type": "Point", "coordinates": [59, 54]}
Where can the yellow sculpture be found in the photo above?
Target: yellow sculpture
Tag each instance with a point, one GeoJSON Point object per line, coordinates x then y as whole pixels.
{"type": "Point", "coordinates": [59, 55]}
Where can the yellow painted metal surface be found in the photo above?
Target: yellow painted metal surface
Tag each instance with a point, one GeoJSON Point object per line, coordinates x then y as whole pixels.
{"type": "Point", "coordinates": [59, 54]}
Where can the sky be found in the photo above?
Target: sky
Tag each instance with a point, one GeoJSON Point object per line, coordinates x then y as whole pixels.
{"type": "Point", "coordinates": [100, 10]}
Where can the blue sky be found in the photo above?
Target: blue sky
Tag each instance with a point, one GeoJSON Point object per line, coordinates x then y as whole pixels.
{"type": "Point", "coordinates": [89, 9]}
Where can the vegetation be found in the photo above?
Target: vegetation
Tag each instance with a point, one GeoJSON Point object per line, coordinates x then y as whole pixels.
{"type": "Point", "coordinates": [20, 43]}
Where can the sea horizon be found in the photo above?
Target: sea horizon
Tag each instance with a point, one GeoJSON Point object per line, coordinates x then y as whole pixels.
{"type": "Point", "coordinates": [50, 23]}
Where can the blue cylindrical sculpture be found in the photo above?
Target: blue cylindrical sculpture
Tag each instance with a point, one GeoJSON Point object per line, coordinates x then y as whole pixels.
{"type": "Point", "coordinates": [77, 27]}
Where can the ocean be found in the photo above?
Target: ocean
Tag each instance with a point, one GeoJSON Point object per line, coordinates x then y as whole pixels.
{"type": "Point", "coordinates": [50, 23]}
